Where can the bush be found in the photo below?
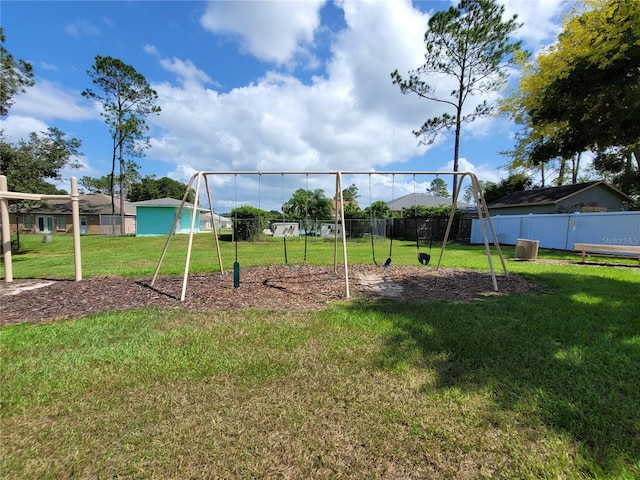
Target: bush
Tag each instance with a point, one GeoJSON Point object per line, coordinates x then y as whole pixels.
{"type": "Point", "coordinates": [249, 222]}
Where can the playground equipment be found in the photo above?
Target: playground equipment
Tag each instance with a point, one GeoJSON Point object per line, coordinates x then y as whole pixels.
{"type": "Point", "coordinates": [201, 178]}
{"type": "Point", "coordinates": [387, 262]}
{"type": "Point", "coordinates": [6, 231]}
{"type": "Point", "coordinates": [423, 258]}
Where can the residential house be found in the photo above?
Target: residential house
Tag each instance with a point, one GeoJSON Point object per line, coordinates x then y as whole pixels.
{"type": "Point", "coordinates": [156, 217]}
{"type": "Point", "coordinates": [206, 223]}
{"type": "Point", "coordinates": [424, 199]}
{"type": "Point", "coordinates": [54, 216]}
{"type": "Point", "coordinates": [597, 196]}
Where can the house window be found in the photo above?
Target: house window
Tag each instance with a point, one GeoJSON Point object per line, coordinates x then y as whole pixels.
{"type": "Point", "coordinates": [45, 224]}
{"type": "Point", "coordinates": [27, 222]}
{"type": "Point", "coordinates": [62, 223]}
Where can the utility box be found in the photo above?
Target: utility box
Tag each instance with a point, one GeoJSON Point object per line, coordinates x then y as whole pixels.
{"type": "Point", "coordinates": [285, 229]}
{"type": "Point", "coordinates": [328, 230]}
{"type": "Point", "coordinates": [527, 249]}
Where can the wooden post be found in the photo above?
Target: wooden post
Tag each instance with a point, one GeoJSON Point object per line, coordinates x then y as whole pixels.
{"type": "Point", "coordinates": [75, 214]}
{"type": "Point", "coordinates": [340, 200]}
{"type": "Point", "coordinates": [6, 232]}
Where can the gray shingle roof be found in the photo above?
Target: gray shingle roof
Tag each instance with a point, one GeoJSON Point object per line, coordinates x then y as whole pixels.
{"type": "Point", "coordinates": [88, 204]}
{"type": "Point", "coordinates": [424, 199]}
{"type": "Point", "coordinates": [548, 195]}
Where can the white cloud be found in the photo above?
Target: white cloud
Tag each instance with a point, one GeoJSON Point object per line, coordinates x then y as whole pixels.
{"type": "Point", "coordinates": [81, 28]}
{"type": "Point", "coordinates": [84, 170]}
{"type": "Point", "coordinates": [484, 172]}
{"type": "Point", "coordinates": [353, 118]}
{"type": "Point", "coordinates": [541, 19]}
{"type": "Point", "coordinates": [184, 69]}
{"type": "Point", "coordinates": [47, 101]}
{"type": "Point", "coordinates": [48, 66]}
{"type": "Point", "coordinates": [273, 31]}
{"type": "Point", "coordinates": [17, 127]}
{"type": "Point", "coordinates": [364, 60]}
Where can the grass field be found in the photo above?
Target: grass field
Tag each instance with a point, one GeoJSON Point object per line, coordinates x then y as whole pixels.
{"type": "Point", "coordinates": [545, 385]}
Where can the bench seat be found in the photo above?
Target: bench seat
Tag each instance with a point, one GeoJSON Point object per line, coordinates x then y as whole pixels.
{"type": "Point", "coordinates": [620, 251]}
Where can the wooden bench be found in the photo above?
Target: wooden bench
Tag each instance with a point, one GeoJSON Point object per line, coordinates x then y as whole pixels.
{"type": "Point", "coordinates": [620, 251]}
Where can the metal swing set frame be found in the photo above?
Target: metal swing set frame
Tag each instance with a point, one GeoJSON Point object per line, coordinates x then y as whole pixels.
{"type": "Point", "coordinates": [201, 180]}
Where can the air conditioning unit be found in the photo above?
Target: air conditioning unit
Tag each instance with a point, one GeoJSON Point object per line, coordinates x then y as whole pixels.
{"type": "Point", "coordinates": [527, 249]}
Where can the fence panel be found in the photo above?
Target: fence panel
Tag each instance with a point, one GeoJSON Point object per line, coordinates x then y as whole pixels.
{"type": "Point", "coordinates": [561, 231]}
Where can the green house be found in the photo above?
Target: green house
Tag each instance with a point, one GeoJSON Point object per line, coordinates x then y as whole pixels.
{"type": "Point", "coordinates": [156, 217]}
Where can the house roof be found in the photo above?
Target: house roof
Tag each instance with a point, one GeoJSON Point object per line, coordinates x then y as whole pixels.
{"type": "Point", "coordinates": [207, 216]}
{"type": "Point", "coordinates": [164, 202]}
{"type": "Point", "coordinates": [551, 195]}
{"type": "Point", "coordinates": [424, 199]}
{"type": "Point", "coordinates": [88, 204]}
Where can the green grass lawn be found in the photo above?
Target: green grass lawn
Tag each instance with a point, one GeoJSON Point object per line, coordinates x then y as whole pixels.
{"type": "Point", "coordinates": [545, 385]}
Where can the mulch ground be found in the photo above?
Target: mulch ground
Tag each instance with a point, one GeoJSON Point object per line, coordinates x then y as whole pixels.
{"type": "Point", "coordinates": [272, 288]}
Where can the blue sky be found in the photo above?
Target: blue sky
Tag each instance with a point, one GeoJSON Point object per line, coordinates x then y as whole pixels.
{"type": "Point", "coordinates": [257, 85]}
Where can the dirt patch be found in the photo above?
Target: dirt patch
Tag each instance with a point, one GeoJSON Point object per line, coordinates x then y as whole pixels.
{"type": "Point", "coordinates": [19, 286]}
{"type": "Point", "coordinates": [274, 287]}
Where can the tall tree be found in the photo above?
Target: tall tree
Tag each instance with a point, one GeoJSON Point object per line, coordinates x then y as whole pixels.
{"type": "Point", "coordinates": [469, 44]}
{"type": "Point", "coordinates": [584, 91]}
{"type": "Point", "coordinates": [378, 209]}
{"type": "Point", "coordinates": [439, 187]}
{"type": "Point", "coordinates": [516, 182]}
{"type": "Point", "coordinates": [106, 185]}
{"type": "Point", "coordinates": [468, 191]}
{"type": "Point", "coordinates": [127, 100]}
{"type": "Point", "coordinates": [350, 194]}
{"type": "Point", "coordinates": [15, 76]}
{"type": "Point", "coordinates": [97, 184]}
{"type": "Point", "coordinates": [31, 164]}
{"type": "Point", "coordinates": [308, 204]}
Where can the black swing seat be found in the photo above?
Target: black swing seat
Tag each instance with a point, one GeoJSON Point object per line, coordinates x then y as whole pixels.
{"type": "Point", "coordinates": [424, 258]}
{"type": "Point", "coordinates": [386, 263]}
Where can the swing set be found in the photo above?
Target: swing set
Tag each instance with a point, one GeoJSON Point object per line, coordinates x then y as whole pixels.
{"type": "Point", "coordinates": [285, 229]}
{"type": "Point", "coordinates": [423, 258]}
{"type": "Point", "coordinates": [5, 226]}
{"type": "Point", "coordinates": [202, 178]}
{"type": "Point", "coordinates": [387, 262]}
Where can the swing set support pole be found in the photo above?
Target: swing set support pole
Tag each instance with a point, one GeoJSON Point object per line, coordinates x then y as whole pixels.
{"type": "Point", "coordinates": [477, 193]}
{"type": "Point", "coordinates": [213, 223]}
{"type": "Point", "coordinates": [340, 210]}
{"type": "Point", "coordinates": [482, 206]}
{"type": "Point", "coordinates": [173, 228]}
{"type": "Point", "coordinates": [190, 243]}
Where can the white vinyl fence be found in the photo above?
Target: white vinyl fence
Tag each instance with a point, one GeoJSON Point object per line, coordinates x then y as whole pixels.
{"type": "Point", "coordinates": [561, 231]}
